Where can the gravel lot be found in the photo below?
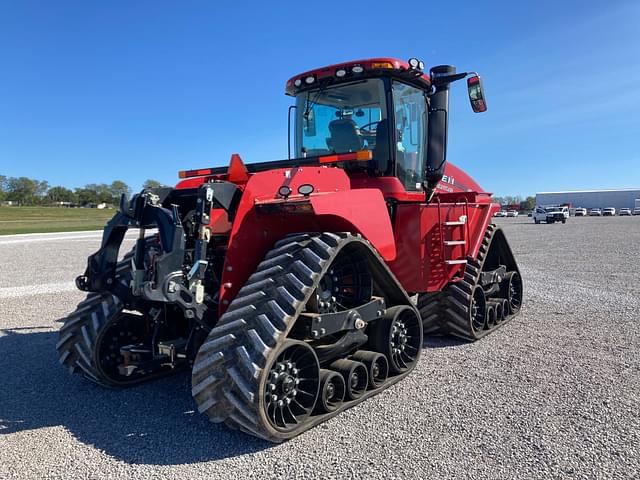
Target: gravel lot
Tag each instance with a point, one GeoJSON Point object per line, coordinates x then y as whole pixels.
{"type": "Point", "coordinates": [556, 393]}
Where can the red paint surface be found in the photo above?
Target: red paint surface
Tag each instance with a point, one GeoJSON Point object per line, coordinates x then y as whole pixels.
{"type": "Point", "coordinates": [353, 202]}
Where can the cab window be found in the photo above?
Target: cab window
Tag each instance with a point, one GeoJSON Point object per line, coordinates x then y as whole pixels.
{"type": "Point", "coordinates": [409, 105]}
{"type": "Point", "coordinates": [342, 118]}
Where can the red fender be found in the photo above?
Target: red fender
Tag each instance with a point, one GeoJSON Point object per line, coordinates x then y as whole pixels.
{"type": "Point", "coordinates": [336, 208]}
{"type": "Point", "coordinates": [366, 213]}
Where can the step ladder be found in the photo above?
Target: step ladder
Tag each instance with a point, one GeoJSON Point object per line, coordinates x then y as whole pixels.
{"type": "Point", "coordinates": [454, 233]}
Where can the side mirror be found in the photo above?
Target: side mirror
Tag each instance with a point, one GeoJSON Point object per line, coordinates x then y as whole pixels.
{"type": "Point", "coordinates": [476, 94]}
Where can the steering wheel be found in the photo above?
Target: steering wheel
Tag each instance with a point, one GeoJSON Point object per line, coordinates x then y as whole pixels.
{"type": "Point", "coordinates": [369, 132]}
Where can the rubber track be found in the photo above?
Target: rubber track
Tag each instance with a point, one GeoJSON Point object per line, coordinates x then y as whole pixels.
{"type": "Point", "coordinates": [76, 338]}
{"type": "Point", "coordinates": [446, 312]}
{"type": "Point", "coordinates": [227, 369]}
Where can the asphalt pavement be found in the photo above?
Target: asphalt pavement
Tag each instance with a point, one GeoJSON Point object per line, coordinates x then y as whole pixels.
{"type": "Point", "coordinates": [553, 394]}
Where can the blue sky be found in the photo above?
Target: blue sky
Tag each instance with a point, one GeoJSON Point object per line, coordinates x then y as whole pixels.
{"type": "Point", "coordinates": [96, 91]}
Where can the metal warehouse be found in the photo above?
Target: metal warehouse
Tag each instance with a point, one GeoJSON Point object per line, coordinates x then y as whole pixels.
{"type": "Point", "coordinates": [591, 198]}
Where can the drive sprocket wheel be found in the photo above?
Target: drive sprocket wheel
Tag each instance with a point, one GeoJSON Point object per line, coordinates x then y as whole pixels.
{"type": "Point", "coordinates": [345, 285]}
{"type": "Point", "coordinates": [121, 329]}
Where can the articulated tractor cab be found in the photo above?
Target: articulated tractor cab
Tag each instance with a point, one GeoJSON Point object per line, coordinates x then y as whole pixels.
{"type": "Point", "coordinates": [297, 288]}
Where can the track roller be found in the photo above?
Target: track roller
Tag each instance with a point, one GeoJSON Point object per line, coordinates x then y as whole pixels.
{"type": "Point", "coordinates": [498, 307]}
{"type": "Point", "coordinates": [398, 335]}
{"type": "Point", "coordinates": [377, 366]}
{"type": "Point", "coordinates": [355, 375]}
{"type": "Point", "coordinates": [491, 316]}
{"type": "Point", "coordinates": [505, 308]}
{"type": "Point", "coordinates": [332, 391]}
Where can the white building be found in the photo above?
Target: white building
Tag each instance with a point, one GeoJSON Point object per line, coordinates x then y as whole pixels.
{"type": "Point", "coordinates": [622, 198]}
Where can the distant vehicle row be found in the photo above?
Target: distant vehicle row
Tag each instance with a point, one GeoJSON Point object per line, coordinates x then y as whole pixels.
{"type": "Point", "coordinates": [606, 212]}
{"type": "Point", "coordinates": [506, 213]}
{"type": "Point", "coordinates": [554, 213]}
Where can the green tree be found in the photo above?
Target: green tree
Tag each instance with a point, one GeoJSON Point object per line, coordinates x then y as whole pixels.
{"type": "Point", "coordinates": [117, 188]}
{"type": "Point", "coordinates": [102, 193]}
{"type": "Point", "coordinates": [3, 187]}
{"type": "Point", "coordinates": [151, 183]}
{"type": "Point", "coordinates": [60, 194]}
{"type": "Point", "coordinates": [86, 196]}
{"type": "Point", "coordinates": [42, 187]}
{"type": "Point", "coordinates": [528, 203]}
{"type": "Point", "coordinates": [22, 190]}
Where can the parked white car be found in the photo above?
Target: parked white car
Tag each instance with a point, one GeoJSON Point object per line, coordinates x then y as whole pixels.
{"type": "Point", "coordinates": [595, 212]}
{"type": "Point", "coordinates": [624, 212]}
{"type": "Point", "coordinates": [550, 214]}
{"type": "Point", "coordinates": [500, 213]}
{"type": "Point", "coordinates": [608, 212]}
{"type": "Point", "coordinates": [580, 212]}
{"type": "Point", "coordinates": [512, 213]}
{"type": "Point", "coordinates": [636, 211]}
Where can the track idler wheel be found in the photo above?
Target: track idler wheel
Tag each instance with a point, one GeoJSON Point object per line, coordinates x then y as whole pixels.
{"type": "Point", "coordinates": [511, 289]}
{"type": "Point", "coordinates": [332, 391]}
{"type": "Point", "coordinates": [377, 366]}
{"type": "Point", "coordinates": [291, 386]}
{"type": "Point", "coordinates": [398, 335]}
{"type": "Point", "coordinates": [478, 311]}
{"type": "Point", "coordinates": [355, 375]}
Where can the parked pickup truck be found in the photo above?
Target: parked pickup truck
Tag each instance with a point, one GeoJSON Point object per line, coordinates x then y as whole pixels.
{"type": "Point", "coordinates": [550, 214]}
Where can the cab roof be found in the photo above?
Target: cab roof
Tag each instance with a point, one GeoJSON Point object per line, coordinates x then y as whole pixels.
{"type": "Point", "coordinates": [368, 68]}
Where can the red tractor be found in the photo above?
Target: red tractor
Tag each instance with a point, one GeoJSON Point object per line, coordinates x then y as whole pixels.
{"type": "Point", "coordinates": [296, 289]}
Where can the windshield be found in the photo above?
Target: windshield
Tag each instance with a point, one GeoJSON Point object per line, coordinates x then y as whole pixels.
{"type": "Point", "coordinates": [341, 119]}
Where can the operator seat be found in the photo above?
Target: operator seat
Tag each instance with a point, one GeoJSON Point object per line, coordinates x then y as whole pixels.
{"type": "Point", "coordinates": [344, 136]}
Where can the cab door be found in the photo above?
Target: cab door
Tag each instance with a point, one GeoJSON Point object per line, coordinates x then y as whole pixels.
{"type": "Point", "coordinates": [410, 132]}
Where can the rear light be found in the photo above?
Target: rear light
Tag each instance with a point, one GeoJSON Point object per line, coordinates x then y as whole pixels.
{"type": "Point", "coordinates": [381, 65]}
{"type": "Point", "coordinates": [195, 173]}
{"type": "Point", "coordinates": [359, 156]}
{"type": "Point", "coordinates": [285, 207]}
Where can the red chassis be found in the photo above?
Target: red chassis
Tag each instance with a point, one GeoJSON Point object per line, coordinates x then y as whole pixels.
{"type": "Point", "coordinates": [415, 234]}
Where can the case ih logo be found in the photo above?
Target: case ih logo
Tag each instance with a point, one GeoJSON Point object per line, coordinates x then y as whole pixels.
{"type": "Point", "coordinates": [449, 180]}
